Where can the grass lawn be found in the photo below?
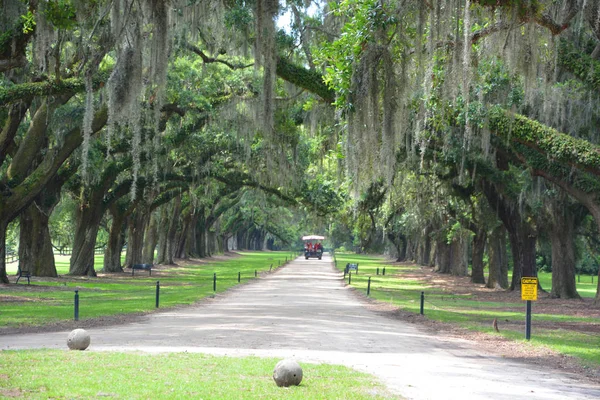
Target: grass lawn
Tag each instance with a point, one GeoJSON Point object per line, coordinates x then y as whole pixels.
{"type": "Point", "coordinates": [45, 374]}
{"type": "Point", "coordinates": [49, 300]}
{"type": "Point", "coordinates": [555, 324]}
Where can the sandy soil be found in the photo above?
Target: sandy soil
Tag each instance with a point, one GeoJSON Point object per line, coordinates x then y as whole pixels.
{"type": "Point", "coordinates": [305, 311]}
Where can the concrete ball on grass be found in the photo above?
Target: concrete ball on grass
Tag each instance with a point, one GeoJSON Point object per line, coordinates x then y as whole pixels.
{"type": "Point", "coordinates": [78, 339]}
{"type": "Point", "coordinates": [287, 373]}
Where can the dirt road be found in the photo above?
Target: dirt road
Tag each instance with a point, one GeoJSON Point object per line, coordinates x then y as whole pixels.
{"type": "Point", "coordinates": [305, 311]}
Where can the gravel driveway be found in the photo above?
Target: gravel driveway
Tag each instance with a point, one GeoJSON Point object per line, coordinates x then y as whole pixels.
{"type": "Point", "coordinates": [304, 311]}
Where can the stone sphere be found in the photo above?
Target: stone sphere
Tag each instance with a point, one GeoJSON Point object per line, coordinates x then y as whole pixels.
{"type": "Point", "coordinates": [78, 339]}
{"type": "Point", "coordinates": [287, 373]}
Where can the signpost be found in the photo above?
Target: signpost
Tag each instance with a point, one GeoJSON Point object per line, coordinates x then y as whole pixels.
{"type": "Point", "coordinates": [529, 285]}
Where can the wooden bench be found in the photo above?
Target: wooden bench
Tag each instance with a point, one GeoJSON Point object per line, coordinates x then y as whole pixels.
{"type": "Point", "coordinates": [147, 267]}
{"type": "Point", "coordinates": [23, 274]}
{"type": "Point", "coordinates": [350, 267]}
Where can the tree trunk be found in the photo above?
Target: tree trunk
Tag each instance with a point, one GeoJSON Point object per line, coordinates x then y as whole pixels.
{"type": "Point", "coordinates": [562, 233]}
{"type": "Point", "coordinates": [459, 265]}
{"type": "Point", "coordinates": [135, 238]}
{"type": "Point", "coordinates": [35, 246]}
{"type": "Point", "coordinates": [163, 230]}
{"type": "Point", "coordinates": [172, 232]}
{"type": "Point", "coordinates": [116, 239]}
{"type": "Point", "coordinates": [443, 257]}
{"type": "Point", "coordinates": [399, 242]}
{"type": "Point", "coordinates": [150, 240]}
{"type": "Point", "coordinates": [86, 232]}
{"type": "Point", "coordinates": [182, 237]}
{"type": "Point", "coordinates": [498, 259]}
{"type": "Point", "coordinates": [477, 275]}
{"type": "Point", "coordinates": [3, 228]}
{"type": "Point", "coordinates": [521, 235]}
{"type": "Point", "coordinates": [426, 257]}
{"type": "Point", "coordinates": [201, 238]}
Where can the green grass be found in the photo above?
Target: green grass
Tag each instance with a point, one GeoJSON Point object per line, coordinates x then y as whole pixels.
{"type": "Point", "coordinates": [472, 313]}
{"type": "Point", "coordinates": [44, 374]}
{"type": "Point", "coordinates": [52, 300]}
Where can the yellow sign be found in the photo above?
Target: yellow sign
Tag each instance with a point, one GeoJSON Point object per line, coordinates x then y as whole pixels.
{"type": "Point", "coordinates": [529, 287]}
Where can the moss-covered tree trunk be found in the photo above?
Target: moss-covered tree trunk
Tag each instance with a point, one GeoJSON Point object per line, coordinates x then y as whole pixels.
{"type": "Point", "coordinates": [477, 275]}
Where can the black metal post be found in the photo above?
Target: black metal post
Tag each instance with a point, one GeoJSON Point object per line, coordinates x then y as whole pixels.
{"type": "Point", "coordinates": [422, 302]}
{"type": "Point", "coordinates": [349, 278]}
{"type": "Point", "coordinates": [255, 273]}
{"type": "Point", "coordinates": [215, 282]}
{"type": "Point", "coordinates": [157, 293]}
{"type": "Point", "coordinates": [377, 270]}
{"type": "Point", "coordinates": [383, 270]}
{"type": "Point", "coordinates": [369, 287]}
{"type": "Point", "coordinates": [239, 277]}
{"type": "Point", "coordinates": [528, 321]}
{"type": "Point", "coordinates": [271, 267]}
{"type": "Point", "coordinates": [76, 305]}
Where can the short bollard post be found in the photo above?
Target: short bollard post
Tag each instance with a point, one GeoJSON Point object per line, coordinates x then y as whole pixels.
{"type": "Point", "coordinates": [255, 273]}
{"type": "Point", "coordinates": [286, 259]}
{"type": "Point", "coordinates": [383, 271]}
{"type": "Point", "coordinates": [215, 282]}
{"type": "Point", "coordinates": [157, 293]}
{"type": "Point", "coordinates": [271, 268]}
{"type": "Point", "coordinates": [377, 270]}
{"type": "Point", "coordinates": [422, 301]}
{"type": "Point", "coordinates": [369, 287]}
{"type": "Point", "coordinates": [349, 278]}
{"type": "Point", "coordinates": [528, 321]}
{"type": "Point", "coordinates": [278, 263]}
{"type": "Point", "coordinates": [76, 316]}
{"type": "Point", "coordinates": [239, 277]}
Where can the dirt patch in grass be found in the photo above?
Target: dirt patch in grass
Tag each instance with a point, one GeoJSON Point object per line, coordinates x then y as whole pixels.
{"type": "Point", "coordinates": [11, 393]}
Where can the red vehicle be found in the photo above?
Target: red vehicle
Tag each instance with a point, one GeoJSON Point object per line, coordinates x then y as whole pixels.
{"type": "Point", "coordinates": [313, 246]}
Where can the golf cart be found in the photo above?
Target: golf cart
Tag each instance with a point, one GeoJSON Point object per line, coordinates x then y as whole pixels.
{"type": "Point", "coordinates": [313, 246]}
